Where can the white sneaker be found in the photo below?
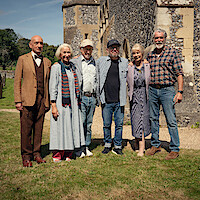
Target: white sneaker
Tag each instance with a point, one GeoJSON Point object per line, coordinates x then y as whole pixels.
{"type": "Point", "coordinates": [56, 160]}
{"type": "Point", "coordinates": [82, 155]}
{"type": "Point", "coordinates": [88, 152]}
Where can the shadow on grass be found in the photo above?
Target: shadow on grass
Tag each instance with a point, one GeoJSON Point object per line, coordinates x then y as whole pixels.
{"type": "Point", "coordinates": [164, 144]}
{"type": "Point", "coordinates": [45, 150]}
{"type": "Point", "coordinates": [99, 142]}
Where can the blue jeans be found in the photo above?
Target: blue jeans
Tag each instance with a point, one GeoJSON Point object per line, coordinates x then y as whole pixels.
{"type": "Point", "coordinates": [163, 96]}
{"type": "Point", "coordinates": [88, 105]}
{"type": "Point", "coordinates": [107, 112]}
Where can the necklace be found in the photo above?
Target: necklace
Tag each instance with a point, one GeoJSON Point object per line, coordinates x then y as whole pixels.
{"type": "Point", "coordinates": [139, 66]}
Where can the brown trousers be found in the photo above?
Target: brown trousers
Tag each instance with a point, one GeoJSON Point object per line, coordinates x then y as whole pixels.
{"type": "Point", "coordinates": [32, 119]}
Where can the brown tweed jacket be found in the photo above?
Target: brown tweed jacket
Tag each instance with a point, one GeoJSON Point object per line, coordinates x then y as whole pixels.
{"type": "Point", "coordinates": [25, 83]}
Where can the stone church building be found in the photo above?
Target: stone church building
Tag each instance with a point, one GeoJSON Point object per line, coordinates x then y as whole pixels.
{"type": "Point", "coordinates": [134, 21]}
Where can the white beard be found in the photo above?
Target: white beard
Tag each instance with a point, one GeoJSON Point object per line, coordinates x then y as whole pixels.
{"type": "Point", "coordinates": [159, 46]}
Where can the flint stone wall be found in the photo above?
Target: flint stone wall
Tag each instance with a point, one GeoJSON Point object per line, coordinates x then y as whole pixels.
{"type": "Point", "coordinates": [81, 17]}
{"type": "Point", "coordinates": [134, 20]}
{"type": "Point", "coordinates": [75, 41]}
{"type": "Point", "coordinates": [69, 17]}
{"type": "Point", "coordinates": [73, 33]}
{"type": "Point", "coordinates": [89, 14]}
{"type": "Point", "coordinates": [196, 46]}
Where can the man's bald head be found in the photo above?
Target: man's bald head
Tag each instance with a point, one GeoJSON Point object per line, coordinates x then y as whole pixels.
{"type": "Point", "coordinates": [36, 44]}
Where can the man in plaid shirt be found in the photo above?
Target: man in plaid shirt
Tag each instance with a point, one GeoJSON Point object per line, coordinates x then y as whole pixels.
{"type": "Point", "coordinates": [166, 69]}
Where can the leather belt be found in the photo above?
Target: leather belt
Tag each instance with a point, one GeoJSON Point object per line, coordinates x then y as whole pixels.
{"type": "Point", "coordinates": [157, 86]}
{"type": "Point", "coordinates": [89, 94]}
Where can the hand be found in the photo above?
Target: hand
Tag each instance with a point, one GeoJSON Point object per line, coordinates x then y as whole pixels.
{"type": "Point", "coordinates": [76, 56]}
{"type": "Point", "coordinates": [145, 61]}
{"type": "Point", "coordinates": [55, 112]}
{"type": "Point", "coordinates": [131, 63]}
{"type": "Point", "coordinates": [19, 106]}
{"type": "Point", "coordinates": [178, 98]}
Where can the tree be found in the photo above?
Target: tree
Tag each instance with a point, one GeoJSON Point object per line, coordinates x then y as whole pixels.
{"type": "Point", "coordinates": [23, 46]}
{"type": "Point", "coordinates": [13, 45]}
{"type": "Point", "coordinates": [8, 48]}
{"type": "Point", "coordinates": [49, 52]}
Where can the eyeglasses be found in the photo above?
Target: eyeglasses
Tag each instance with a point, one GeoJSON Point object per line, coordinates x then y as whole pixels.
{"type": "Point", "coordinates": [36, 43]}
{"type": "Point", "coordinates": [112, 48]}
{"type": "Point", "coordinates": [87, 49]}
{"type": "Point", "coordinates": [159, 37]}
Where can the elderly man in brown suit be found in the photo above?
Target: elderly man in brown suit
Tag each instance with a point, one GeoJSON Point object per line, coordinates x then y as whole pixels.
{"type": "Point", "coordinates": [32, 99]}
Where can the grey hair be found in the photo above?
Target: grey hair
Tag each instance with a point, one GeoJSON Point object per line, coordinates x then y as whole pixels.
{"type": "Point", "coordinates": [159, 30]}
{"type": "Point", "coordinates": [138, 47]}
{"type": "Point", "coordinates": [57, 54]}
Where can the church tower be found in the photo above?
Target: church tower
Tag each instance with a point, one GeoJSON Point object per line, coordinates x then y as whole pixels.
{"type": "Point", "coordinates": [81, 21]}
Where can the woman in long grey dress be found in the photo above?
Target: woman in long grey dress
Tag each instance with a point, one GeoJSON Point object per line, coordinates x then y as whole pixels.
{"type": "Point", "coordinates": [66, 128]}
{"type": "Point", "coordinates": [138, 78]}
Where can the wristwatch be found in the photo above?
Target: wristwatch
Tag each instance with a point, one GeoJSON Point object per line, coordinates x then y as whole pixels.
{"type": "Point", "coordinates": [181, 91]}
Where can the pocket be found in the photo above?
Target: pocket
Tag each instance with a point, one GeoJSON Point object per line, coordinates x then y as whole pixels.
{"type": "Point", "coordinates": [169, 92]}
{"type": "Point", "coordinates": [170, 88]}
{"type": "Point", "coordinates": [94, 100]}
{"type": "Point", "coordinates": [150, 88]}
{"type": "Point", "coordinates": [124, 73]}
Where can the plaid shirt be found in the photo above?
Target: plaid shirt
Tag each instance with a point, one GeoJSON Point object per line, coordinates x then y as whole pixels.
{"type": "Point", "coordinates": [165, 67]}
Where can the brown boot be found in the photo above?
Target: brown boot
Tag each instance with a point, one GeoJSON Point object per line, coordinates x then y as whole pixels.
{"type": "Point", "coordinates": [172, 155]}
{"type": "Point", "coordinates": [39, 160]}
{"type": "Point", "coordinates": [153, 150]}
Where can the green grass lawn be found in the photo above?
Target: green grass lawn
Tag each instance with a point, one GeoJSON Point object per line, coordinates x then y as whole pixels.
{"type": "Point", "coordinates": [98, 177]}
{"type": "Point", "coordinates": [7, 101]}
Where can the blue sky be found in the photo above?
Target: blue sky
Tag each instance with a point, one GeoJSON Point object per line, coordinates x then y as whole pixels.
{"type": "Point", "coordinates": [34, 17]}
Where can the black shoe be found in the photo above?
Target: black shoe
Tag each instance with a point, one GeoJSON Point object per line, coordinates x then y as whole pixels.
{"type": "Point", "coordinates": [79, 154]}
{"type": "Point", "coordinates": [117, 151]}
{"type": "Point", "coordinates": [106, 150]}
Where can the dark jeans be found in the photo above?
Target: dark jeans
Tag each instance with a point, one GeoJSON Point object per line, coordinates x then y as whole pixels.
{"type": "Point", "coordinates": [107, 112]}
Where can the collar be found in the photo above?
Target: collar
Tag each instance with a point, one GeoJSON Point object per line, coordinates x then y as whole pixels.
{"type": "Point", "coordinates": [33, 54]}
{"type": "Point", "coordinates": [140, 68]}
{"type": "Point", "coordinates": [119, 59]}
{"type": "Point", "coordinates": [164, 48]}
{"type": "Point", "coordinates": [70, 65]}
{"type": "Point", "coordinates": [91, 61]}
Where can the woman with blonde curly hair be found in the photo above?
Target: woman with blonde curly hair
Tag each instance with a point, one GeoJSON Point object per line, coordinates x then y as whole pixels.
{"type": "Point", "coordinates": [138, 78]}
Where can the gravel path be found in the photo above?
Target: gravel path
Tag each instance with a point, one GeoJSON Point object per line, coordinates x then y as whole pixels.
{"type": "Point", "coordinates": [189, 138]}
